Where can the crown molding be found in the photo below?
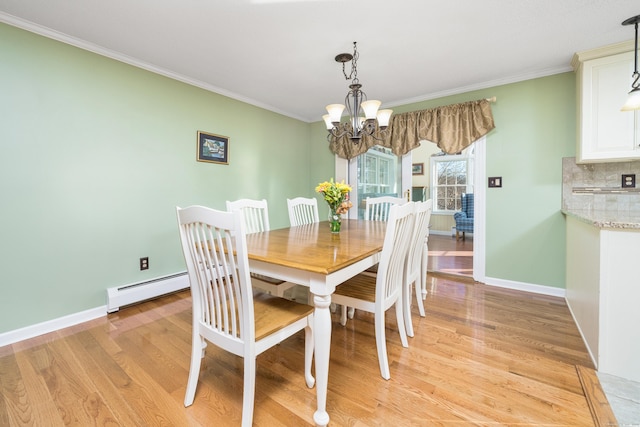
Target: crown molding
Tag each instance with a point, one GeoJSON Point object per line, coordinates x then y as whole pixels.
{"type": "Point", "coordinates": [81, 44]}
{"type": "Point", "coordinates": [479, 86]}
{"type": "Point", "coordinates": [612, 49]}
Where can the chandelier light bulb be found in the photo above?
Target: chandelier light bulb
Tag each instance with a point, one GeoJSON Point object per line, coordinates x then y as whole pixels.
{"type": "Point", "coordinates": [383, 118]}
{"type": "Point", "coordinates": [327, 121]}
{"type": "Point", "coordinates": [370, 108]}
{"type": "Point", "coordinates": [335, 112]}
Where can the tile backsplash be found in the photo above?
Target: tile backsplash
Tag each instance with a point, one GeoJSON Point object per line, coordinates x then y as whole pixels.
{"type": "Point", "coordinates": [598, 186]}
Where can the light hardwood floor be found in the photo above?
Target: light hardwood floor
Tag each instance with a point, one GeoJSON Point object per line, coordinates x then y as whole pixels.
{"type": "Point", "coordinates": [451, 256]}
{"type": "Point", "coordinates": [482, 356]}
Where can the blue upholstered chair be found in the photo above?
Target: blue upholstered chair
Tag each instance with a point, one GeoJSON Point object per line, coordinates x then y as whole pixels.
{"type": "Point", "coordinates": [464, 218]}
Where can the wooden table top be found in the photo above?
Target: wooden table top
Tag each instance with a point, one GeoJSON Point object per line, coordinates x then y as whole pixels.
{"type": "Point", "coordinates": [314, 248]}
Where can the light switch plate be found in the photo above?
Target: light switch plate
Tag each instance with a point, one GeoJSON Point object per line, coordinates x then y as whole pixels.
{"type": "Point", "coordinates": [495, 182]}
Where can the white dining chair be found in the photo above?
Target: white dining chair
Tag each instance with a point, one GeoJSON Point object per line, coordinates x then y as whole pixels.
{"type": "Point", "coordinates": [377, 208]}
{"type": "Point", "coordinates": [414, 263]}
{"type": "Point", "coordinates": [302, 211]}
{"type": "Point", "coordinates": [256, 213]}
{"type": "Point", "coordinates": [226, 310]}
{"type": "Point", "coordinates": [376, 294]}
{"type": "Point", "coordinates": [256, 219]}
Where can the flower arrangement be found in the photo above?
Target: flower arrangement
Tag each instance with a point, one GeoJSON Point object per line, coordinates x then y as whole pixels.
{"type": "Point", "coordinates": [336, 194]}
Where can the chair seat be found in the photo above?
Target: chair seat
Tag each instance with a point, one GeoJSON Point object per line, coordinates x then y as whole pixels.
{"type": "Point", "coordinates": [466, 224]}
{"type": "Point", "coordinates": [274, 313]}
{"type": "Point", "coordinates": [362, 287]}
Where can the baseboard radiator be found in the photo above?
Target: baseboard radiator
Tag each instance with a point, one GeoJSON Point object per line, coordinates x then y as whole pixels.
{"type": "Point", "coordinates": [137, 292]}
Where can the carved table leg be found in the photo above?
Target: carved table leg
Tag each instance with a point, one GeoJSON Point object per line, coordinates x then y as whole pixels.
{"type": "Point", "coordinates": [322, 339]}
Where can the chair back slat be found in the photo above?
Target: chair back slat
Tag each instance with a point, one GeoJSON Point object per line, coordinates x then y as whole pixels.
{"type": "Point", "coordinates": [302, 211]}
{"type": "Point", "coordinates": [377, 208]}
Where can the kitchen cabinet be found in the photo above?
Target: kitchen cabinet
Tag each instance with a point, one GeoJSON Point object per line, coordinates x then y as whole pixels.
{"type": "Point", "coordinates": [603, 289]}
{"type": "Point", "coordinates": [603, 78]}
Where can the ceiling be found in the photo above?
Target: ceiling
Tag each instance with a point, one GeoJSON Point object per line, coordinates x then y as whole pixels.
{"type": "Point", "coordinates": [279, 54]}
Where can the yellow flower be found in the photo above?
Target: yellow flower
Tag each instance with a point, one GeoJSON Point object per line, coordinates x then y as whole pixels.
{"type": "Point", "coordinates": [336, 194]}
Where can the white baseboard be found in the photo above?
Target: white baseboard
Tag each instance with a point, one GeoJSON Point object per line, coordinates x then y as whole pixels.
{"type": "Point", "coordinates": [31, 331]}
{"type": "Point", "coordinates": [584, 340]}
{"type": "Point", "coordinates": [116, 298]}
{"type": "Point", "coordinates": [447, 233]}
{"type": "Point", "coordinates": [526, 287]}
{"type": "Point", "coordinates": [441, 233]}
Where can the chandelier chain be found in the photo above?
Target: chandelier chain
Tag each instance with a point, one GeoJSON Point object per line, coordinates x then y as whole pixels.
{"type": "Point", "coordinates": [354, 66]}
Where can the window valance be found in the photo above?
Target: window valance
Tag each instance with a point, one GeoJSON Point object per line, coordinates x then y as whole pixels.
{"type": "Point", "coordinates": [452, 127]}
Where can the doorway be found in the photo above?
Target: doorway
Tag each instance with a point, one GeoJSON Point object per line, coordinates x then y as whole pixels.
{"type": "Point", "coordinates": [347, 171]}
{"type": "Point", "coordinates": [376, 173]}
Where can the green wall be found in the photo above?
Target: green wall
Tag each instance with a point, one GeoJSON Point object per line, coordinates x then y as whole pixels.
{"type": "Point", "coordinates": [96, 154]}
{"type": "Point", "coordinates": [535, 128]}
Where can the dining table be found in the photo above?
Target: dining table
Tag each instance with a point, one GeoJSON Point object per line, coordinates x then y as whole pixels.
{"type": "Point", "coordinates": [312, 256]}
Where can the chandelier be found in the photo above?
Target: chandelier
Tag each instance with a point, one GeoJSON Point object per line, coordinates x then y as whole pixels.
{"type": "Point", "coordinates": [364, 116]}
{"type": "Point", "coordinates": [633, 102]}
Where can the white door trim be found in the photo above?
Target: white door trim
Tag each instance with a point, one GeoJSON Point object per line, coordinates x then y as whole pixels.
{"type": "Point", "coordinates": [480, 197]}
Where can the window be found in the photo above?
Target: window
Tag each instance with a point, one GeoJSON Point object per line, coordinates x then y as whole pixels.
{"type": "Point", "coordinates": [378, 171]}
{"type": "Point", "coordinates": [451, 175]}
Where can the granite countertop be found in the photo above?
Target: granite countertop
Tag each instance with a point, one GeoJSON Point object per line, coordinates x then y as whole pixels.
{"type": "Point", "coordinates": [606, 219]}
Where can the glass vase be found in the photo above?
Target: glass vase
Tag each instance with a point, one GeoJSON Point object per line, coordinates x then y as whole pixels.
{"type": "Point", "coordinates": [335, 221]}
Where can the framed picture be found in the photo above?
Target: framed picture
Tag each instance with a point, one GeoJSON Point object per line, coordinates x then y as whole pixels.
{"type": "Point", "coordinates": [213, 148]}
{"type": "Point", "coordinates": [417, 169]}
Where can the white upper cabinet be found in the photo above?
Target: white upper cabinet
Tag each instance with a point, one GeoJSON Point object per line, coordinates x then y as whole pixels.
{"type": "Point", "coordinates": [606, 134]}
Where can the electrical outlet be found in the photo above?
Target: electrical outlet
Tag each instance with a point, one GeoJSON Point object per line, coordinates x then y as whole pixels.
{"type": "Point", "coordinates": [629, 181]}
{"type": "Point", "coordinates": [495, 182]}
{"type": "Point", "coordinates": [144, 263]}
